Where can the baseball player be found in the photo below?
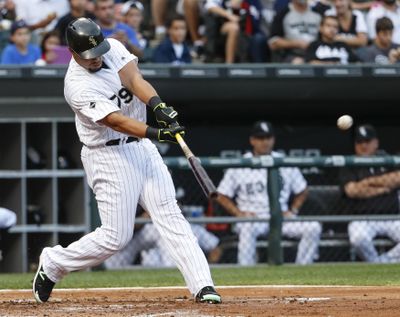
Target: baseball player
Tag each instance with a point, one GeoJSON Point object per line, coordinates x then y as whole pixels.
{"type": "Point", "coordinates": [105, 89]}
{"type": "Point", "coordinates": [371, 190]}
{"type": "Point", "coordinates": [248, 186]}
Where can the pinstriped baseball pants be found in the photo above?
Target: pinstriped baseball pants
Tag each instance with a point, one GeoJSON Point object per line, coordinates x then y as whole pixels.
{"type": "Point", "coordinates": [122, 176]}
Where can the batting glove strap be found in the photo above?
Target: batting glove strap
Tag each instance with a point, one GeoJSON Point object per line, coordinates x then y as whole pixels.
{"type": "Point", "coordinates": [165, 115]}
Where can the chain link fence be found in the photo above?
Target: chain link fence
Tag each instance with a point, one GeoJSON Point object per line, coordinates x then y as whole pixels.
{"type": "Point", "coordinates": [293, 210]}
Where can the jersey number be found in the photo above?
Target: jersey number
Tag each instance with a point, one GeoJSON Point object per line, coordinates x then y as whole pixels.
{"type": "Point", "coordinates": [123, 94]}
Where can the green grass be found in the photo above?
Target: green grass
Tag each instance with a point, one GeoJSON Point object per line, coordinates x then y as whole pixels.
{"type": "Point", "coordinates": [319, 274]}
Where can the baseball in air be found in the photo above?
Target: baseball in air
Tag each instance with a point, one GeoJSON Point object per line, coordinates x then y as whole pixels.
{"type": "Point", "coordinates": [345, 122]}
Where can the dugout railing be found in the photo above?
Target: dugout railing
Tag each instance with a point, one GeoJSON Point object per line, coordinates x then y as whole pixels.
{"type": "Point", "coordinates": [325, 202]}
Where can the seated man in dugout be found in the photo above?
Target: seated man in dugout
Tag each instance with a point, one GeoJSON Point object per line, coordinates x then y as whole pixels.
{"type": "Point", "coordinates": [371, 190]}
{"type": "Point", "coordinates": [243, 193]}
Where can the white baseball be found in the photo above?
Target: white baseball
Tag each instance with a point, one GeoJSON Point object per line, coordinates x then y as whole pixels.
{"type": "Point", "coordinates": [344, 122]}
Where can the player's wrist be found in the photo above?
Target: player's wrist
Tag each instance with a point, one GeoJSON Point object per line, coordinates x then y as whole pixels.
{"type": "Point", "coordinates": [152, 133]}
{"type": "Point", "coordinates": [294, 210]}
{"type": "Point", "coordinates": [154, 102]}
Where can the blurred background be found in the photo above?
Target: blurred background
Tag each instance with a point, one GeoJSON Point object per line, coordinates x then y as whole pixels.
{"type": "Point", "coordinates": [224, 65]}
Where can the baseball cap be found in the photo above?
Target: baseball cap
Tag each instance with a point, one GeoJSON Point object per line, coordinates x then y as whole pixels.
{"type": "Point", "coordinates": [131, 4]}
{"type": "Point", "coordinates": [18, 25]}
{"type": "Point", "coordinates": [262, 129]}
{"type": "Point", "coordinates": [365, 132]}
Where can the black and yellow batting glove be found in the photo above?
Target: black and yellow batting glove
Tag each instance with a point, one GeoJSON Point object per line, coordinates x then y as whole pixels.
{"type": "Point", "coordinates": [166, 134]}
{"type": "Point", "coordinates": [165, 115]}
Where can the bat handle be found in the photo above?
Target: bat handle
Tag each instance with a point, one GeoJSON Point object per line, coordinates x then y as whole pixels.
{"type": "Point", "coordinates": [179, 138]}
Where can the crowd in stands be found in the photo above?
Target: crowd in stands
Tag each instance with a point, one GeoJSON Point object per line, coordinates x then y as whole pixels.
{"type": "Point", "coordinates": [209, 31]}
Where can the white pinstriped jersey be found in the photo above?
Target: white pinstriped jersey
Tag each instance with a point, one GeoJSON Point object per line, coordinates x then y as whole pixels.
{"type": "Point", "coordinates": [249, 187]}
{"type": "Point", "coordinates": [92, 96]}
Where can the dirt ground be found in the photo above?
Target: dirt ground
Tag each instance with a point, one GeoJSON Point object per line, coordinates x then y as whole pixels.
{"type": "Point", "coordinates": [237, 301]}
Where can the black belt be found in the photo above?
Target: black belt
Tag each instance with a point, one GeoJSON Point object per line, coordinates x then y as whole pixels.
{"type": "Point", "coordinates": [122, 141]}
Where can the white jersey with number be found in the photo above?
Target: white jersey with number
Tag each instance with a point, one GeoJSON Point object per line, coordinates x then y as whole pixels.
{"type": "Point", "coordinates": [93, 96]}
{"type": "Point", "coordinates": [249, 187]}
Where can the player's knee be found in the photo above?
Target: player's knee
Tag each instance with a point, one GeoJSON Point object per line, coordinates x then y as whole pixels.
{"type": "Point", "coordinates": [312, 229]}
{"type": "Point", "coordinates": [117, 240]}
{"type": "Point", "coordinates": [358, 234]}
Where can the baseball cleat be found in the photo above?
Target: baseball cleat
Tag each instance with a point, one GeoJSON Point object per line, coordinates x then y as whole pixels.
{"type": "Point", "coordinates": [42, 285]}
{"type": "Point", "coordinates": [208, 295]}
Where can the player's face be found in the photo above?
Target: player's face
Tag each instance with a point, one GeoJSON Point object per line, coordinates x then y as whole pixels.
{"type": "Point", "coordinates": [92, 65]}
{"type": "Point", "coordinates": [177, 31]}
{"type": "Point", "coordinates": [262, 145]}
{"type": "Point", "coordinates": [366, 148]}
{"type": "Point", "coordinates": [134, 18]}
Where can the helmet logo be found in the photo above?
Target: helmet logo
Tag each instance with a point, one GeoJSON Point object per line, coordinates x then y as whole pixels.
{"type": "Point", "coordinates": [92, 41]}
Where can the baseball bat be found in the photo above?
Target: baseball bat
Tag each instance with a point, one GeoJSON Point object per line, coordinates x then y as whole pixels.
{"type": "Point", "coordinates": [199, 172]}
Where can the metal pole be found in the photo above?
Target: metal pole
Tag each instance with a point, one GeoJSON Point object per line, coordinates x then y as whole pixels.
{"type": "Point", "coordinates": [275, 254]}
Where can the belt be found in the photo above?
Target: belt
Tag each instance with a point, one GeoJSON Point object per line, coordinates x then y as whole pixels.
{"type": "Point", "coordinates": [122, 141]}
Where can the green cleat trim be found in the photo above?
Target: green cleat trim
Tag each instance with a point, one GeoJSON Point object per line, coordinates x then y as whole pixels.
{"type": "Point", "coordinates": [211, 298]}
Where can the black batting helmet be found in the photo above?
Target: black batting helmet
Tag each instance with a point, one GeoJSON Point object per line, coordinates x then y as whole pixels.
{"type": "Point", "coordinates": [84, 37]}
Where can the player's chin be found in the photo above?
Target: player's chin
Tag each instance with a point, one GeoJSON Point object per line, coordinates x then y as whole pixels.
{"type": "Point", "coordinates": [94, 69]}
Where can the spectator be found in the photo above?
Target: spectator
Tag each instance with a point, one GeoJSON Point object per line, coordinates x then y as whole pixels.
{"type": "Point", "coordinates": [7, 16]}
{"type": "Point", "coordinates": [41, 16]}
{"type": "Point", "coordinates": [326, 50]}
{"type": "Point", "coordinates": [249, 188]}
{"type": "Point", "coordinates": [292, 30]}
{"type": "Point", "coordinates": [382, 50]}
{"type": "Point", "coordinates": [78, 10]}
{"type": "Point", "coordinates": [20, 51]}
{"type": "Point", "coordinates": [7, 10]}
{"type": "Point", "coordinates": [104, 12]}
{"type": "Point", "coordinates": [385, 8]}
{"type": "Point", "coordinates": [352, 26]}
{"type": "Point", "coordinates": [52, 51]}
{"type": "Point", "coordinates": [222, 20]}
{"type": "Point", "coordinates": [146, 237]}
{"type": "Point", "coordinates": [371, 190]}
{"type": "Point", "coordinates": [159, 13]}
{"type": "Point", "coordinates": [132, 15]}
{"type": "Point", "coordinates": [192, 10]}
{"type": "Point", "coordinates": [173, 49]}
{"type": "Point", "coordinates": [251, 16]}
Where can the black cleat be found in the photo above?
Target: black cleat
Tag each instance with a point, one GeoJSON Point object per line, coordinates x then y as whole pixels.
{"type": "Point", "coordinates": [208, 295]}
{"type": "Point", "coordinates": [42, 285]}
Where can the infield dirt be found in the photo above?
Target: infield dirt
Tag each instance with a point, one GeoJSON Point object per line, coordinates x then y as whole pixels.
{"type": "Point", "coordinates": [237, 301]}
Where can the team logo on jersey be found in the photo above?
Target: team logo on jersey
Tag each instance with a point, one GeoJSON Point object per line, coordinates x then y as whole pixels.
{"type": "Point", "coordinates": [92, 41]}
{"type": "Point", "coordinates": [92, 105]}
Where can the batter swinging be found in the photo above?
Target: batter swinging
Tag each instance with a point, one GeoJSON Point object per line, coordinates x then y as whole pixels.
{"type": "Point", "coordinates": [106, 91]}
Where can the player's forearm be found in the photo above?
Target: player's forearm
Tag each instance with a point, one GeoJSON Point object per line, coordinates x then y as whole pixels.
{"type": "Point", "coordinates": [298, 201]}
{"type": "Point", "coordinates": [132, 79]}
{"type": "Point", "coordinates": [361, 190]}
{"type": "Point", "coordinates": [228, 205]}
{"type": "Point", "coordinates": [391, 180]}
{"type": "Point", "coordinates": [123, 124]}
